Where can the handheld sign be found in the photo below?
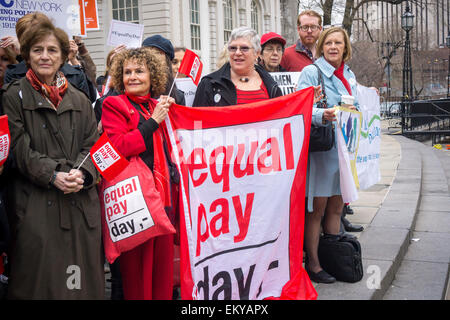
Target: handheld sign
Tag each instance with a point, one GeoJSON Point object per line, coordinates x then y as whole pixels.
{"type": "Point", "coordinates": [191, 66]}
{"type": "Point", "coordinates": [125, 33]}
{"type": "Point", "coordinates": [65, 14]}
{"type": "Point", "coordinates": [5, 139]}
{"type": "Point", "coordinates": [287, 81]}
{"type": "Point", "coordinates": [91, 15]}
{"type": "Point", "coordinates": [108, 161]}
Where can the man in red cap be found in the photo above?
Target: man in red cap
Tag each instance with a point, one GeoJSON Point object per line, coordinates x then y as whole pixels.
{"type": "Point", "coordinates": [301, 54]}
{"type": "Point", "coordinates": [272, 48]}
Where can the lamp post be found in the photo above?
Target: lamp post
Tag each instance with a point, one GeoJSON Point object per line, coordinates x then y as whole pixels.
{"type": "Point", "coordinates": [407, 23]}
{"type": "Point", "coordinates": [447, 42]}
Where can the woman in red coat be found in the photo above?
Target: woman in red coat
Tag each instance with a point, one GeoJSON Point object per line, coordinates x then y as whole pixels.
{"type": "Point", "coordinates": [134, 124]}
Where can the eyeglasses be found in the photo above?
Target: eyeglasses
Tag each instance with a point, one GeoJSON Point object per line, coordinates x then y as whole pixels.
{"type": "Point", "coordinates": [243, 49]}
{"type": "Point", "coordinates": [312, 28]}
{"type": "Point", "coordinates": [271, 49]}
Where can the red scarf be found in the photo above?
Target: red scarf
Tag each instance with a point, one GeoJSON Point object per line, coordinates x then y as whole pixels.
{"type": "Point", "coordinates": [54, 92]}
{"type": "Point", "coordinates": [161, 171]}
{"type": "Point", "coordinates": [339, 73]}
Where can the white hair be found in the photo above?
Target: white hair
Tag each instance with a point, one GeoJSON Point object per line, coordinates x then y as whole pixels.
{"type": "Point", "coordinates": [248, 33]}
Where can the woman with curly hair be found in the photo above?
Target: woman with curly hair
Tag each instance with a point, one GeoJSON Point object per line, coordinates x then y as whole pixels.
{"type": "Point", "coordinates": [132, 121]}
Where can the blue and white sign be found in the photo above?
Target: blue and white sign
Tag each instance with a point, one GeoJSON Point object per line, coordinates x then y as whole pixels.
{"type": "Point", "coordinates": [65, 14]}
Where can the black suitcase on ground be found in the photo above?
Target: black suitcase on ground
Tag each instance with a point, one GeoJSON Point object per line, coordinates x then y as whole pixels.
{"type": "Point", "coordinates": [340, 256]}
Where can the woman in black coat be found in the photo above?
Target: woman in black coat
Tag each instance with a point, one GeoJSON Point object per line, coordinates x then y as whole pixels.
{"type": "Point", "coordinates": [240, 80]}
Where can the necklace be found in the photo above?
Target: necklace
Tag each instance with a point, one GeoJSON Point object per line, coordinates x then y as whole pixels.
{"type": "Point", "coordinates": [244, 79]}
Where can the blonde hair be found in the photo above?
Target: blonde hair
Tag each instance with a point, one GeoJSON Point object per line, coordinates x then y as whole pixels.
{"type": "Point", "coordinates": [348, 46]}
{"type": "Point", "coordinates": [145, 56]}
{"type": "Point", "coordinates": [223, 57]}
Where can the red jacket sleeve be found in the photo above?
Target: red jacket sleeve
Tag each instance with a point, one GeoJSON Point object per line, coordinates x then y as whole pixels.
{"type": "Point", "coordinates": [121, 127]}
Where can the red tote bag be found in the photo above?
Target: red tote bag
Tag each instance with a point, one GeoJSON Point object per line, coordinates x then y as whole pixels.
{"type": "Point", "coordinates": [132, 210]}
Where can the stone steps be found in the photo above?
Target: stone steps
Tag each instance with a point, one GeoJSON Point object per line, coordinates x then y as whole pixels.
{"type": "Point", "coordinates": [405, 246]}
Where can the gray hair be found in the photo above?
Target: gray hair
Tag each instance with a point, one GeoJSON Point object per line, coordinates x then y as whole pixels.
{"type": "Point", "coordinates": [248, 33]}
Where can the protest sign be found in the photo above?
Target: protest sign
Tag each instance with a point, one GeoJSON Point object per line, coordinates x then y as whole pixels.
{"type": "Point", "coordinates": [287, 81]}
{"type": "Point", "coordinates": [188, 87]}
{"type": "Point", "coordinates": [5, 139]}
{"type": "Point", "coordinates": [65, 14]}
{"type": "Point", "coordinates": [242, 186]}
{"type": "Point", "coordinates": [367, 160]}
{"type": "Point", "coordinates": [126, 33]}
{"type": "Point", "coordinates": [108, 161]}
{"type": "Point", "coordinates": [191, 66]}
{"type": "Point", "coordinates": [349, 131]}
{"type": "Point", "coordinates": [91, 15]}
{"type": "Point", "coordinates": [82, 19]}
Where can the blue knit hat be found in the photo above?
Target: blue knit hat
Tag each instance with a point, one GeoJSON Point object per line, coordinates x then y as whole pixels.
{"type": "Point", "coordinates": [160, 42]}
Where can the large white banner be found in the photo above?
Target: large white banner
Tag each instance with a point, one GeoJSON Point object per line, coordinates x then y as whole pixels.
{"type": "Point", "coordinates": [65, 14]}
{"type": "Point", "coordinates": [367, 161]}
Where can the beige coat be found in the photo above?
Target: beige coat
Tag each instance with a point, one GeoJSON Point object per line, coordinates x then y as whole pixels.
{"type": "Point", "coordinates": [57, 250]}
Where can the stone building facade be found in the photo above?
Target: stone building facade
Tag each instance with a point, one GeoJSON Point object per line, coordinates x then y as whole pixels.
{"type": "Point", "coordinates": [200, 25]}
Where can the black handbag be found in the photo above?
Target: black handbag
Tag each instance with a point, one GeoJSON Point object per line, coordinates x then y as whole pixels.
{"type": "Point", "coordinates": [321, 137]}
{"type": "Point", "coordinates": [340, 256]}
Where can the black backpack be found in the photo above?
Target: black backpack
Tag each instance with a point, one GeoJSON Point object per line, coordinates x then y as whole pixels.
{"type": "Point", "coordinates": [340, 256]}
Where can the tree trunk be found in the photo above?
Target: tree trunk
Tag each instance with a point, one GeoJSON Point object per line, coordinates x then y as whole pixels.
{"type": "Point", "coordinates": [348, 16]}
{"type": "Point", "coordinates": [327, 8]}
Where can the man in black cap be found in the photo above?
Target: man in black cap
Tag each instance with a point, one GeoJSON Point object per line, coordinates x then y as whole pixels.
{"type": "Point", "coordinates": [165, 47]}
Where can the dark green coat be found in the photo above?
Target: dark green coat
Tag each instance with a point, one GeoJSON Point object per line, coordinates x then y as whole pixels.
{"type": "Point", "coordinates": [56, 238]}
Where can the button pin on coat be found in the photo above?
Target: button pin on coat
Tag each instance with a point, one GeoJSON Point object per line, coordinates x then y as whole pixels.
{"type": "Point", "coordinates": [217, 97]}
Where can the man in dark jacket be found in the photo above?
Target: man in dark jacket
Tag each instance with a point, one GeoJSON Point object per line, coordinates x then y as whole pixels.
{"type": "Point", "coordinates": [217, 89]}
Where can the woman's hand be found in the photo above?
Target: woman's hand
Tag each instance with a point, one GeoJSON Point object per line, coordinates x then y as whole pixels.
{"type": "Point", "coordinates": [11, 41]}
{"type": "Point", "coordinates": [162, 108]}
{"type": "Point", "coordinates": [318, 93]}
{"type": "Point", "coordinates": [329, 114]}
{"type": "Point", "coordinates": [69, 182]}
{"type": "Point", "coordinates": [73, 53]}
{"type": "Point", "coordinates": [100, 127]}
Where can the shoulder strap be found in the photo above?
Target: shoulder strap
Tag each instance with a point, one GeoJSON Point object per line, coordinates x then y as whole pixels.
{"type": "Point", "coordinates": [321, 83]}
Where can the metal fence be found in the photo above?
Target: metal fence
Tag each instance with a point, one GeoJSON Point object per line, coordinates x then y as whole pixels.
{"type": "Point", "coordinates": [426, 117]}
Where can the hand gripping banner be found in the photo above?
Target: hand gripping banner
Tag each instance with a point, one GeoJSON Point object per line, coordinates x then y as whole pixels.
{"type": "Point", "coordinates": [242, 198]}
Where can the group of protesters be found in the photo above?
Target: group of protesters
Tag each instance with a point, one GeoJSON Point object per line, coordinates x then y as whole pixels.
{"type": "Point", "coordinates": [50, 208]}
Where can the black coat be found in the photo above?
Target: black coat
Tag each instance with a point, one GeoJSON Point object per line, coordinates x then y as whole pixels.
{"type": "Point", "coordinates": [75, 75]}
{"type": "Point", "coordinates": [219, 85]}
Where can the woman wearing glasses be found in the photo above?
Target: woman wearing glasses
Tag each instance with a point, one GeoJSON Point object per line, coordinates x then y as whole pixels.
{"type": "Point", "coordinates": [241, 80]}
{"type": "Point", "coordinates": [272, 48]}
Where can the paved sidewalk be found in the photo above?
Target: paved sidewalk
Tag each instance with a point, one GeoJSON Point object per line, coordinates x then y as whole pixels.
{"type": "Point", "coordinates": [406, 216]}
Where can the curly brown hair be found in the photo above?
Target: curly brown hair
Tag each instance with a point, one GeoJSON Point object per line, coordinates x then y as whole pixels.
{"type": "Point", "coordinates": [145, 56]}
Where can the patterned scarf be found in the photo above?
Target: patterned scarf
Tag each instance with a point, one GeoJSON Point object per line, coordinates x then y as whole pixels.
{"type": "Point", "coordinates": [54, 92]}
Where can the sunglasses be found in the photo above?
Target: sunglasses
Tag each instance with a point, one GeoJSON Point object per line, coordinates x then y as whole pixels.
{"type": "Point", "coordinates": [243, 49]}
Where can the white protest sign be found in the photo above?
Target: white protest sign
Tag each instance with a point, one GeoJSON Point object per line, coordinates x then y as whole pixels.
{"type": "Point", "coordinates": [126, 33]}
{"type": "Point", "coordinates": [65, 14]}
{"type": "Point", "coordinates": [225, 206]}
{"type": "Point", "coordinates": [188, 87]}
{"type": "Point", "coordinates": [367, 161]}
{"type": "Point", "coordinates": [348, 131]}
{"type": "Point", "coordinates": [287, 81]}
{"type": "Point", "coordinates": [126, 210]}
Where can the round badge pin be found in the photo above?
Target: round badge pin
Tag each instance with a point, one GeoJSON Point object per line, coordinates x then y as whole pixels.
{"type": "Point", "coordinates": [217, 97]}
